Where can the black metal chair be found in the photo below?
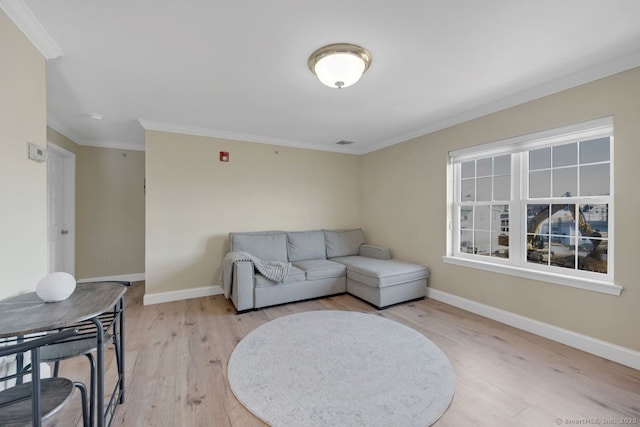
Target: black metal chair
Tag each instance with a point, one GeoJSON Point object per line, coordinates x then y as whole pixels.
{"type": "Point", "coordinates": [84, 345]}
{"type": "Point", "coordinates": [38, 399]}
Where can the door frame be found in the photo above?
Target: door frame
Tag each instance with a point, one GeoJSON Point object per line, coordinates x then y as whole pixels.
{"type": "Point", "coordinates": [69, 167]}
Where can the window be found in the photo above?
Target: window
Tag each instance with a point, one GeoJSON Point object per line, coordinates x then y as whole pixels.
{"type": "Point", "coordinates": [485, 193]}
{"type": "Point", "coordinates": [538, 206]}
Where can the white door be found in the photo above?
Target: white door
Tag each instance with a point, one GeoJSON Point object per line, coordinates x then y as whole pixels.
{"type": "Point", "coordinates": [61, 209]}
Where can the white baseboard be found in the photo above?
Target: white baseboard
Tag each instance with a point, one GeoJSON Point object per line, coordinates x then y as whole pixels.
{"type": "Point", "coordinates": [134, 277]}
{"type": "Point", "coordinates": [170, 296]}
{"type": "Point", "coordinates": [613, 352]}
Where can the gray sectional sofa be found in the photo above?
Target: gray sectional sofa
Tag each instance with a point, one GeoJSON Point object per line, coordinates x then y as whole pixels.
{"type": "Point", "coordinates": [323, 263]}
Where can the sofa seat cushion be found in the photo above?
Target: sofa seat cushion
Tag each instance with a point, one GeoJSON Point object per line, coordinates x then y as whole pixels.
{"type": "Point", "coordinates": [295, 275]}
{"type": "Point", "coordinates": [321, 268]}
{"type": "Point", "coordinates": [381, 273]}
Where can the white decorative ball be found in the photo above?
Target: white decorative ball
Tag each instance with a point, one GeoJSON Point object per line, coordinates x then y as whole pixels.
{"type": "Point", "coordinates": [56, 286]}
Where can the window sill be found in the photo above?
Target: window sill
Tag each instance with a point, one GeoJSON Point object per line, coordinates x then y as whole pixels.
{"type": "Point", "coordinates": [575, 282]}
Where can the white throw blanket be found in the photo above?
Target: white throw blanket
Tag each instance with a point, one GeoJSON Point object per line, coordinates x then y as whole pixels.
{"type": "Point", "coordinates": [272, 270]}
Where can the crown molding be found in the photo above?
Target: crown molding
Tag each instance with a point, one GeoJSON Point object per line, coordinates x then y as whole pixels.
{"type": "Point", "coordinates": [26, 21]}
{"type": "Point", "coordinates": [569, 81]}
{"type": "Point", "coordinates": [234, 136]}
{"type": "Point", "coordinates": [54, 124]}
{"type": "Point", "coordinates": [118, 145]}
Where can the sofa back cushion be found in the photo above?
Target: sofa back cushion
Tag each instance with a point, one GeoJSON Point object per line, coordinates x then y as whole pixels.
{"type": "Point", "coordinates": [343, 242]}
{"type": "Point", "coordinates": [266, 245]}
{"type": "Point", "coordinates": [306, 245]}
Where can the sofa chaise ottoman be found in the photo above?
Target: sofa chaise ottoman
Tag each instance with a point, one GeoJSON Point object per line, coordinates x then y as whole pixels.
{"type": "Point", "coordinates": [320, 263]}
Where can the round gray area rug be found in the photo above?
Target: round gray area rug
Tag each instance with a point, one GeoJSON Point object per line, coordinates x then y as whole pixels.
{"type": "Point", "coordinates": [340, 368]}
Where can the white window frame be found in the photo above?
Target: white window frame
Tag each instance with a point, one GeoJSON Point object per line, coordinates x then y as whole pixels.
{"type": "Point", "coordinates": [517, 264]}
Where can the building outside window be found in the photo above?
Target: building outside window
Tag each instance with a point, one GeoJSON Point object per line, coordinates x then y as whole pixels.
{"type": "Point", "coordinates": [537, 206]}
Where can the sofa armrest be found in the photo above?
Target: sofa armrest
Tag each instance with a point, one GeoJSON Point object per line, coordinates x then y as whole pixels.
{"type": "Point", "coordinates": [242, 286]}
{"type": "Point", "coordinates": [377, 252]}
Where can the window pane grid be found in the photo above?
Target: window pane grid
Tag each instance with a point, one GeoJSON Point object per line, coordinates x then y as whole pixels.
{"type": "Point", "coordinates": [486, 180]}
{"type": "Point", "coordinates": [484, 230]}
{"type": "Point", "coordinates": [570, 170]}
{"type": "Point", "coordinates": [571, 236]}
{"type": "Point", "coordinates": [571, 181]}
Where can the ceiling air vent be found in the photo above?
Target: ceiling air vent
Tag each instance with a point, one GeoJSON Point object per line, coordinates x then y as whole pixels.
{"type": "Point", "coordinates": [343, 142]}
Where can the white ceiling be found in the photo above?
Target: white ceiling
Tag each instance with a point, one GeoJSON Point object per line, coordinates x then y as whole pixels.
{"type": "Point", "coordinates": [238, 68]}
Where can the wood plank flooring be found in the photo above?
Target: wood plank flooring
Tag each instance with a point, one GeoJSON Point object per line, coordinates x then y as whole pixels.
{"type": "Point", "coordinates": [177, 354]}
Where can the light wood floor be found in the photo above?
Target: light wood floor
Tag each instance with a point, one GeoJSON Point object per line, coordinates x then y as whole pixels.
{"type": "Point", "coordinates": [177, 353]}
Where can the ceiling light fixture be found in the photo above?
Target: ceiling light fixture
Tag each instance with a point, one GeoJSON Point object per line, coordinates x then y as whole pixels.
{"type": "Point", "coordinates": [96, 116]}
{"type": "Point", "coordinates": [339, 65]}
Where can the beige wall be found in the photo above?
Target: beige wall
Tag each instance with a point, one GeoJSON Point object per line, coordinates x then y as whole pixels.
{"type": "Point", "coordinates": [110, 211]}
{"type": "Point", "coordinates": [404, 205]}
{"type": "Point", "coordinates": [194, 201]}
{"type": "Point", "coordinates": [23, 246]}
{"type": "Point", "coordinates": [61, 141]}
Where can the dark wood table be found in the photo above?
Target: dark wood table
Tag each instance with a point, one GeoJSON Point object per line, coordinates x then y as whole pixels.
{"type": "Point", "coordinates": [97, 305]}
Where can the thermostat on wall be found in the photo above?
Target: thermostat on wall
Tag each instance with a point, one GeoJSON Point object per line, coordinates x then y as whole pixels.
{"type": "Point", "coordinates": [36, 153]}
